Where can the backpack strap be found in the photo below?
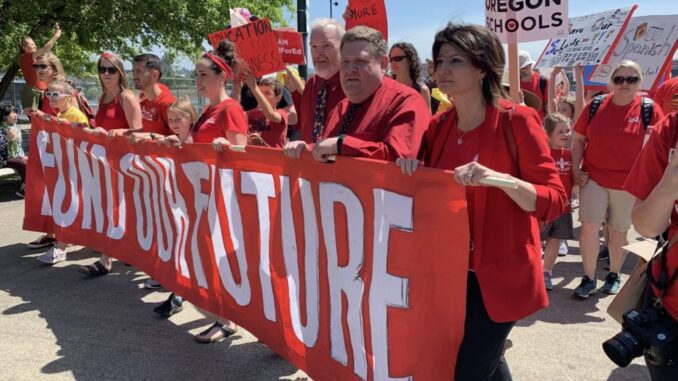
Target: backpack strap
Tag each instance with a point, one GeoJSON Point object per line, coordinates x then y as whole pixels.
{"type": "Point", "coordinates": [663, 282]}
{"type": "Point", "coordinates": [646, 110]}
{"type": "Point", "coordinates": [595, 105]}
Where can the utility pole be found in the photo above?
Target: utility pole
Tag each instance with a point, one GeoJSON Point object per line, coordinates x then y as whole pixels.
{"type": "Point", "coordinates": [302, 27]}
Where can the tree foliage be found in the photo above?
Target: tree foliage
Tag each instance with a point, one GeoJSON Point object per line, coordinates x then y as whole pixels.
{"type": "Point", "coordinates": [125, 27]}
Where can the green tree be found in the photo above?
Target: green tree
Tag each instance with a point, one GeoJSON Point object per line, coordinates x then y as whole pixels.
{"type": "Point", "coordinates": [125, 27]}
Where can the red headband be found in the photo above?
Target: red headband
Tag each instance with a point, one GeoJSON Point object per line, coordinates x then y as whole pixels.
{"type": "Point", "coordinates": [107, 54]}
{"type": "Point", "coordinates": [221, 64]}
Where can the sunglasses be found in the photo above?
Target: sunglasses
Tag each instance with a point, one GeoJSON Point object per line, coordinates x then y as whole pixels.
{"type": "Point", "coordinates": [618, 80]}
{"type": "Point", "coordinates": [53, 94]}
{"type": "Point", "coordinates": [107, 69]}
{"type": "Point", "coordinates": [40, 66]}
{"type": "Point", "coordinates": [397, 58]}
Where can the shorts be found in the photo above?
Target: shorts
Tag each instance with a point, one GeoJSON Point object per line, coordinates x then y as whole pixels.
{"type": "Point", "coordinates": [561, 228]}
{"type": "Point", "coordinates": [603, 205]}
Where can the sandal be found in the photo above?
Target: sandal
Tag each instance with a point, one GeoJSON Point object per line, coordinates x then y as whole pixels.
{"type": "Point", "coordinates": [223, 332]}
{"type": "Point", "coordinates": [94, 270]}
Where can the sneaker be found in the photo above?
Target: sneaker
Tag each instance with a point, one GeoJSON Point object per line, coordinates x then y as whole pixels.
{"type": "Point", "coordinates": [575, 203]}
{"type": "Point", "coordinates": [612, 283]}
{"type": "Point", "coordinates": [170, 306]}
{"type": "Point", "coordinates": [52, 256]}
{"type": "Point", "coordinates": [547, 281]}
{"type": "Point", "coordinates": [151, 284]}
{"type": "Point", "coordinates": [21, 192]}
{"type": "Point", "coordinates": [563, 249]}
{"type": "Point", "coordinates": [586, 287]}
{"type": "Point", "coordinates": [42, 241]}
{"type": "Point", "coordinates": [604, 254]}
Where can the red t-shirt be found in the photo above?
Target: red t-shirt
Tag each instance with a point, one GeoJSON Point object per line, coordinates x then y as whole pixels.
{"type": "Point", "coordinates": [216, 120]}
{"type": "Point", "coordinates": [26, 63]}
{"type": "Point", "coordinates": [386, 126]}
{"type": "Point", "coordinates": [47, 108]}
{"type": "Point", "coordinates": [563, 159]}
{"type": "Point", "coordinates": [111, 115]}
{"type": "Point", "coordinates": [665, 94]}
{"type": "Point", "coordinates": [335, 94]}
{"type": "Point", "coordinates": [273, 133]}
{"type": "Point", "coordinates": [615, 137]}
{"type": "Point", "coordinates": [533, 87]}
{"type": "Point", "coordinates": [154, 112]}
{"type": "Point", "coordinates": [644, 176]}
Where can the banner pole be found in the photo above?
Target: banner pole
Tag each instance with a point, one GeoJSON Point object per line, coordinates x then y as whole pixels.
{"type": "Point", "coordinates": [514, 72]}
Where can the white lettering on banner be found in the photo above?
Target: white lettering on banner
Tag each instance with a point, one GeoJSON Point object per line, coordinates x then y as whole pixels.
{"type": "Point", "coordinates": [196, 172]}
{"type": "Point", "coordinates": [46, 161]}
{"type": "Point", "coordinates": [162, 219]}
{"type": "Point", "coordinates": [390, 210]}
{"type": "Point", "coordinates": [65, 219]}
{"type": "Point", "coordinates": [262, 186]}
{"type": "Point", "coordinates": [308, 334]}
{"type": "Point", "coordinates": [91, 185]}
{"type": "Point", "coordinates": [242, 293]}
{"type": "Point", "coordinates": [114, 231]}
{"type": "Point", "coordinates": [345, 279]}
{"type": "Point", "coordinates": [143, 216]}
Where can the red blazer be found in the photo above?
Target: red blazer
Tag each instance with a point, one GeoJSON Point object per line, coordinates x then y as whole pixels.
{"type": "Point", "coordinates": [507, 246]}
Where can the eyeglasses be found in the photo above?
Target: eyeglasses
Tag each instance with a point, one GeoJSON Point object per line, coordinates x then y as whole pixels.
{"type": "Point", "coordinates": [107, 69]}
{"type": "Point", "coordinates": [53, 94]}
{"type": "Point", "coordinates": [40, 66]}
{"type": "Point", "coordinates": [618, 80]}
{"type": "Point", "coordinates": [397, 58]}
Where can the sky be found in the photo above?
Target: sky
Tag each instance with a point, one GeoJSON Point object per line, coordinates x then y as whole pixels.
{"type": "Point", "coordinates": [418, 24]}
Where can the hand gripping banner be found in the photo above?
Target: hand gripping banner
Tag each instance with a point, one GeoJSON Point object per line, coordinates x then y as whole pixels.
{"type": "Point", "coordinates": [349, 270]}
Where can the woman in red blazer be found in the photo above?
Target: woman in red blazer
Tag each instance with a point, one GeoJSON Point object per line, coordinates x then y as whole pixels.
{"type": "Point", "coordinates": [485, 136]}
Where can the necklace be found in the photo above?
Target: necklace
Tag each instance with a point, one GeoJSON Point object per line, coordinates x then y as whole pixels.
{"type": "Point", "coordinates": [460, 136]}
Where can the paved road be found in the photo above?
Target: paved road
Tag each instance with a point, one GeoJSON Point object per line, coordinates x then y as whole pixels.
{"type": "Point", "coordinates": [57, 325]}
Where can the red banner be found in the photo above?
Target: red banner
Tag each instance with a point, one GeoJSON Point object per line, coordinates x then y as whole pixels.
{"type": "Point", "coordinates": [291, 47]}
{"type": "Point", "coordinates": [370, 13]}
{"type": "Point", "coordinates": [349, 270]}
{"type": "Point", "coordinates": [256, 44]}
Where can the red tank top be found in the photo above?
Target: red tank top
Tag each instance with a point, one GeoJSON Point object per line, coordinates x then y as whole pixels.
{"type": "Point", "coordinates": [111, 116]}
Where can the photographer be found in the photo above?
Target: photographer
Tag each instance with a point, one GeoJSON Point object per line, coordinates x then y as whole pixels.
{"type": "Point", "coordinates": [654, 181]}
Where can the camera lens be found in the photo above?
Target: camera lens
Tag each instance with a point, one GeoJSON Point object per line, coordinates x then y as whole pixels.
{"type": "Point", "coordinates": [623, 348]}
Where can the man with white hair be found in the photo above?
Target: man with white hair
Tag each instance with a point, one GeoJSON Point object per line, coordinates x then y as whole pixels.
{"type": "Point", "coordinates": [323, 91]}
{"type": "Point", "coordinates": [532, 81]}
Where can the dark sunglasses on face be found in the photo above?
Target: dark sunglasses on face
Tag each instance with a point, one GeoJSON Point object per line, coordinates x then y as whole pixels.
{"type": "Point", "coordinates": [40, 66]}
{"type": "Point", "coordinates": [110, 69]}
{"type": "Point", "coordinates": [397, 58]}
{"type": "Point", "coordinates": [618, 80]}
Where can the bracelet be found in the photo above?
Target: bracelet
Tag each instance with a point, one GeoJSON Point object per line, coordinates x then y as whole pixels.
{"type": "Point", "coordinates": [152, 135]}
{"type": "Point", "coordinates": [340, 141]}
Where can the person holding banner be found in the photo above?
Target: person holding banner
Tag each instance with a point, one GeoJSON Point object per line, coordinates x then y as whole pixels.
{"type": "Point", "coordinates": [406, 68]}
{"type": "Point", "coordinates": [155, 97]}
{"type": "Point", "coordinates": [499, 153]}
{"type": "Point", "coordinates": [267, 125]}
{"type": "Point", "coordinates": [119, 112]}
{"type": "Point", "coordinates": [323, 91]}
{"type": "Point", "coordinates": [380, 118]}
{"type": "Point", "coordinates": [609, 135]}
{"type": "Point", "coordinates": [653, 180]}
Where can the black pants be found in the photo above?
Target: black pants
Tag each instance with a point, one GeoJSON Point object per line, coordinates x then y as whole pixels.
{"type": "Point", "coordinates": [481, 355]}
{"type": "Point", "coordinates": [19, 165]}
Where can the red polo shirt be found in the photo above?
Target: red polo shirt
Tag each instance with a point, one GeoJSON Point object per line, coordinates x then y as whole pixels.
{"type": "Point", "coordinates": [615, 137]}
{"type": "Point", "coordinates": [154, 112]}
{"type": "Point", "coordinates": [335, 94]}
{"type": "Point", "coordinates": [273, 133]}
{"type": "Point", "coordinates": [644, 177]}
{"type": "Point", "coordinates": [215, 121]}
{"type": "Point", "coordinates": [386, 126]}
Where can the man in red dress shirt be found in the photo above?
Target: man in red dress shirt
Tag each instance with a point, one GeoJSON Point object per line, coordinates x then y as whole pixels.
{"type": "Point", "coordinates": [323, 91]}
{"type": "Point", "coordinates": [380, 118]}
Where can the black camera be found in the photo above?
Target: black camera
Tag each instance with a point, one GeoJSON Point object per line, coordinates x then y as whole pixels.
{"type": "Point", "coordinates": [642, 333]}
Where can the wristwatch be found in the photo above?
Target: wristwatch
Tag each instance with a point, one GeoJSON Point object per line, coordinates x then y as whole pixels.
{"type": "Point", "coordinates": [152, 135]}
{"type": "Point", "coordinates": [340, 141]}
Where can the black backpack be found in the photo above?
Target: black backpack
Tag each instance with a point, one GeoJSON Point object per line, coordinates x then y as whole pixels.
{"type": "Point", "coordinates": [646, 108]}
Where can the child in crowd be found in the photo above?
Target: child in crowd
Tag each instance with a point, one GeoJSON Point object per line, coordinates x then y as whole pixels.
{"type": "Point", "coordinates": [11, 151]}
{"type": "Point", "coordinates": [267, 126]}
{"type": "Point", "coordinates": [60, 95]}
{"type": "Point", "coordinates": [558, 129]}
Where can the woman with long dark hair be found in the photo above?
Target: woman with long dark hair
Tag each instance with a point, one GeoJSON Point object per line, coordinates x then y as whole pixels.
{"type": "Point", "coordinates": [406, 69]}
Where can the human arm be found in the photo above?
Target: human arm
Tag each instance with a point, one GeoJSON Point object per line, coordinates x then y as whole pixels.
{"type": "Point", "coordinates": [551, 93]}
{"type": "Point", "coordinates": [294, 83]}
{"type": "Point", "coordinates": [267, 109]}
{"type": "Point", "coordinates": [579, 95]}
{"type": "Point", "coordinates": [578, 143]}
{"type": "Point", "coordinates": [50, 44]}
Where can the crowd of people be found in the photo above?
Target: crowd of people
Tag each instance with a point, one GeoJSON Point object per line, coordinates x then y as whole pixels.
{"type": "Point", "coordinates": [368, 100]}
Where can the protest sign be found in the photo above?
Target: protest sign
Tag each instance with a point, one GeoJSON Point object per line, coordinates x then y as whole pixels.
{"type": "Point", "coordinates": [591, 39]}
{"type": "Point", "coordinates": [291, 47]}
{"type": "Point", "coordinates": [523, 21]}
{"type": "Point", "coordinates": [256, 44]}
{"type": "Point", "coordinates": [650, 41]}
{"type": "Point", "coordinates": [370, 13]}
{"type": "Point", "coordinates": [348, 279]}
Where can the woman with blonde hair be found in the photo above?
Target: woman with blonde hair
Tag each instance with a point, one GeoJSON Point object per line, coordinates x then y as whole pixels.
{"type": "Point", "coordinates": [609, 135]}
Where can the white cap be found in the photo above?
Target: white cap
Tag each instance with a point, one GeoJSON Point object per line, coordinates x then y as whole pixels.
{"type": "Point", "coordinates": [524, 59]}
